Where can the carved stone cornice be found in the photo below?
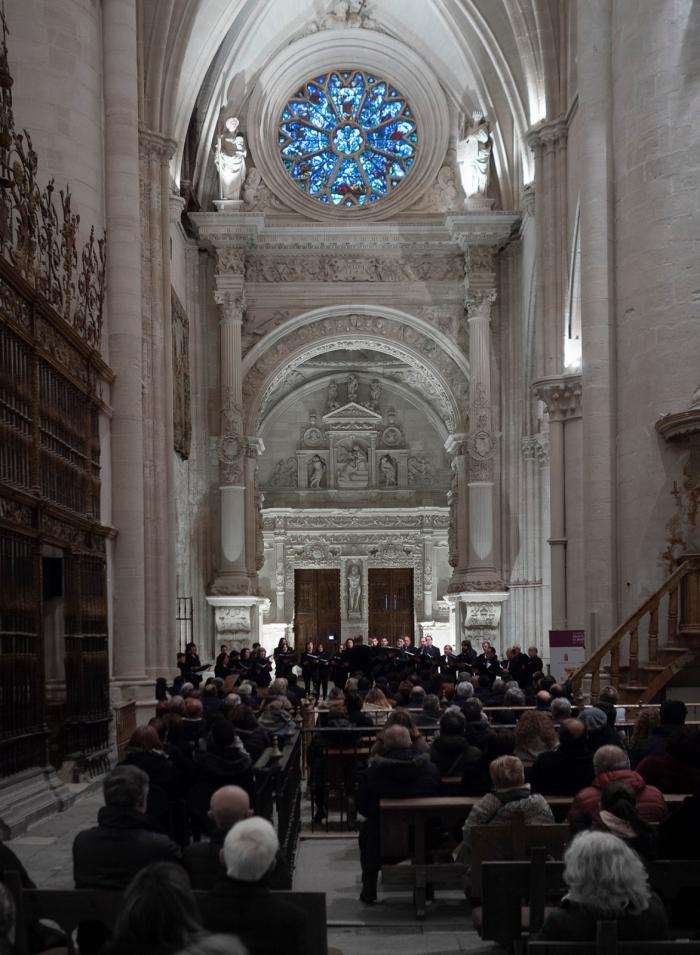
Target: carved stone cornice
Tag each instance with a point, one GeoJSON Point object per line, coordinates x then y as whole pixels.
{"type": "Point", "coordinates": [562, 396]}
{"type": "Point", "coordinates": [155, 145]}
{"type": "Point", "coordinates": [230, 260]}
{"type": "Point", "coordinates": [681, 425]}
{"type": "Point", "coordinates": [549, 134]}
{"type": "Point", "coordinates": [480, 265]}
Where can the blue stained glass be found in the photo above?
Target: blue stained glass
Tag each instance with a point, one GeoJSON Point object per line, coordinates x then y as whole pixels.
{"type": "Point", "coordinates": [347, 138]}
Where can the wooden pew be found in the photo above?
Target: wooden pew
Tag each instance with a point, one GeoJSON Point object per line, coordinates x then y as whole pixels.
{"type": "Point", "coordinates": [69, 907]}
{"type": "Point", "coordinates": [607, 943]}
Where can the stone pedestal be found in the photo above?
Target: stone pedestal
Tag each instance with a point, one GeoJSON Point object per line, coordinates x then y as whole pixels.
{"type": "Point", "coordinates": [478, 616]}
{"type": "Point", "coordinates": [238, 620]}
{"type": "Point", "coordinates": [228, 205]}
{"type": "Point", "coordinates": [478, 204]}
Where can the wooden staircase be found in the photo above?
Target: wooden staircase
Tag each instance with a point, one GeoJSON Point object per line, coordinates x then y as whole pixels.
{"type": "Point", "coordinates": [642, 657]}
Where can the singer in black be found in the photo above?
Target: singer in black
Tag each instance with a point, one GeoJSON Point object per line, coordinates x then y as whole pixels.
{"type": "Point", "coordinates": [221, 663]}
{"type": "Point", "coordinates": [341, 664]}
{"type": "Point", "coordinates": [322, 672]}
{"type": "Point", "coordinates": [192, 666]}
{"type": "Point", "coordinates": [262, 668]}
{"type": "Point", "coordinates": [245, 662]}
{"type": "Point", "coordinates": [284, 659]}
{"type": "Point", "coordinates": [309, 666]}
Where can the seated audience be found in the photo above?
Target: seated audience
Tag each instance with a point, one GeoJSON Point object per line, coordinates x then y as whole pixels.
{"type": "Point", "coordinates": [400, 717]}
{"type": "Point", "coordinates": [355, 711]}
{"type": "Point", "coordinates": [605, 880]}
{"type": "Point", "coordinates": [399, 772]}
{"type": "Point", "coordinates": [255, 738]}
{"type": "Point", "coordinates": [534, 734]}
{"type": "Point", "coordinates": [599, 721]}
{"type": "Point", "coordinates": [167, 780]}
{"type": "Point", "coordinates": [568, 768]}
{"type": "Point", "coordinates": [619, 814]}
{"type": "Point", "coordinates": [672, 714]}
{"type": "Point", "coordinates": [511, 797]}
{"type": "Point", "coordinates": [123, 843]}
{"type": "Point", "coordinates": [612, 765]}
{"type": "Point", "coordinates": [159, 914]}
{"type": "Point", "coordinates": [451, 751]}
{"type": "Point", "coordinates": [242, 903]}
{"type": "Point", "coordinates": [678, 771]}
{"type": "Point", "coordinates": [476, 780]}
{"type": "Point", "coordinates": [224, 761]}
{"type": "Point", "coordinates": [610, 695]}
{"type": "Point", "coordinates": [560, 709]}
{"type": "Point", "coordinates": [193, 723]}
{"type": "Point", "coordinates": [228, 806]}
{"type": "Point", "coordinates": [478, 729]}
{"type": "Point", "coordinates": [429, 717]}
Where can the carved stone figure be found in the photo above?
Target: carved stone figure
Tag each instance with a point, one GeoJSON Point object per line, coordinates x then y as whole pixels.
{"type": "Point", "coordinates": [317, 471]}
{"type": "Point", "coordinates": [420, 472]}
{"type": "Point", "coordinates": [353, 385]}
{"type": "Point", "coordinates": [354, 580]}
{"type": "Point", "coordinates": [388, 468]}
{"type": "Point", "coordinates": [332, 400]}
{"type": "Point", "coordinates": [375, 394]}
{"type": "Point", "coordinates": [230, 159]}
{"type": "Point", "coordinates": [285, 473]}
{"type": "Point", "coordinates": [354, 470]}
{"type": "Point", "coordinates": [474, 155]}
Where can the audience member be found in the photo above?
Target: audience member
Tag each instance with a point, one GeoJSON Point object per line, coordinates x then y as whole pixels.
{"type": "Point", "coordinates": [194, 724]}
{"type": "Point", "coordinates": [478, 729]}
{"type": "Point", "coordinates": [401, 718]}
{"type": "Point", "coordinates": [159, 914]}
{"type": "Point", "coordinates": [399, 772]}
{"type": "Point", "coordinates": [429, 717]}
{"type": "Point", "coordinates": [612, 764]}
{"type": "Point", "coordinates": [377, 706]}
{"type": "Point", "coordinates": [605, 880]}
{"type": "Point", "coordinates": [560, 709]}
{"type": "Point", "coordinates": [678, 771]}
{"type": "Point", "coordinates": [255, 738]}
{"type": "Point", "coordinates": [228, 806]}
{"type": "Point", "coordinates": [476, 780]}
{"type": "Point", "coordinates": [451, 751]}
{"type": "Point", "coordinates": [242, 902]}
{"type": "Point", "coordinates": [672, 714]}
{"type": "Point", "coordinates": [224, 761]}
{"type": "Point", "coordinates": [600, 727]}
{"type": "Point", "coordinates": [534, 734]}
{"type": "Point", "coordinates": [511, 797]}
{"type": "Point", "coordinates": [610, 695]}
{"type": "Point", "coordinates": [568, 768]}
{"type": "Point", "coordinates": [123, 842]}
{"type": "Point", "coordinates": [619, 814]}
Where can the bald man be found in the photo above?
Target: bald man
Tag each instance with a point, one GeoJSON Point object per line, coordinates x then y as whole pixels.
{"type": "Point", "coordinates": [400, 773]}
{"type": "Point", "coordinates": [568, 768]}
{"type": "Point", "coordinates": [228, 806]}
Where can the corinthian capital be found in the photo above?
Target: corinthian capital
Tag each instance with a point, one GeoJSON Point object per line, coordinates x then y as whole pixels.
{"type": "Point", "coordinates": [231, 303]}
{"type": "Point", "coordinates": [478, 302]}
{"type": "Point", "coordinates": [561, 395]}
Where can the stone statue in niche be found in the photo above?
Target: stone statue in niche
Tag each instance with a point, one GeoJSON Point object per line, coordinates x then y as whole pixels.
{"type": "Point", "coordinates": [353, 385]}
{"type": "Point", "coordinates": [375, 394]}
{"type": "Point", "coordinates": [420, 472]}
{"type": "Point", "coordinates": [354, 580]}
{"type": "Point", "coordinates": [474, 154]}
{"type": "Point", "coordinates": [388, 468]}
{"type": "Point", "coordinates": [353, 468]}
{"type": "Point", "coordinates": [231, 152]}
{"type": "Point", "coordinates": [332, 399]}
{"type": "Point", "coordinates": [285, 473]}
{"type": "Point", "coordinates": [317, 471]}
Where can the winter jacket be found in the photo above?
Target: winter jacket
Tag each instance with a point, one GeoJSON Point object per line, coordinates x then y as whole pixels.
{"type": "Point", "coordinates": [650, 802]}
{"type": "Point", "coordinates": [452, 754]}
{"type": "Point", "coordinates": [400, 773]}
{"type": "Point", "coordinates": [499, 809]}
{"type": "Point", "coordinates": [564, 771]}
{"type": "Point", "coordinates": [655, 744]}
{"type": "Point", "coordinates": [572, 922]}
{"type": "Point", "coordinates": [122, 843]}
{"type": "Point", "coordinates": [668, 774]}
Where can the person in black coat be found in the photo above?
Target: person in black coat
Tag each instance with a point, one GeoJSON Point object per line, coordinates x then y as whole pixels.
{"type": "Point", "coordinates": [284, 659]}
{"type": "Point", "coordinates": [243, 905]}
{"type": "Point", "coordinates": [399, 773]}
{"type": "Point", "coordinates": [534, 664]}
{"type": "Point", "coordinates": [262, 668]}
{"type": "Point", "coordinates": [123, 842]}
{"type": "Point", "coordinates": [450, 751]}
{"type": "Point", "coordinates": [322, 672]}
{"type": "Point", "coordinates": [309, 666]}
{"type": "Point", "coordinates": [672, 714]}
{"type": "Point", "coordinates": [567, 769]}
{"type": "Point", "coordinates": [518, 667]}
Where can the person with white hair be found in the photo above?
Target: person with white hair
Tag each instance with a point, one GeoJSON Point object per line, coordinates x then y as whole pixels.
{"type": "Point", "coordinates": [560, 709]}
{"type": "Point", "coordinates": [464, 691]}
{"type": "Point", "coordinates": [243, 904]}
{"type": "Point", "coordinates": [605, 880]}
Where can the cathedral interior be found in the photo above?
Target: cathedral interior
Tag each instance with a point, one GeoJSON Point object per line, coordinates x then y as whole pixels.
{"type": "Point", "coordinates": [340, 319]}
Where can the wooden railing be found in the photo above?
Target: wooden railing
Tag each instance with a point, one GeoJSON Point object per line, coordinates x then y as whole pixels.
{"type": "Point", "coordinates": [650, 663]}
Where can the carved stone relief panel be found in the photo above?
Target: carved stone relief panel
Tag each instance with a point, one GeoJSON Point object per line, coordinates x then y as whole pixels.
{"type": "Point", "coordinates": [182, 413]}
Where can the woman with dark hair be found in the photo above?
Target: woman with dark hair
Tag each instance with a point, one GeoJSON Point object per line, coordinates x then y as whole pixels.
{"type": "Point", "coordinates": [284, 659]}
{"type": "Point", "coordinates": [159, 914]}
{"type": "Point", "coordinates": [245, 661]}
{"type": "Point", "coordinates": [322, 672]}
{"type": "Point", "coordinates": [262, 668]}
{"type": "Point", "coordinates": [618, 814]}
{"type": "Point", "coordinates": [167, 781]}
{"type": "Point", "coordinates": [402, 718]}
{"type": "Point", "coordinates": [309, 666]}
{"type": "Point", "coordinates": [254, 737]}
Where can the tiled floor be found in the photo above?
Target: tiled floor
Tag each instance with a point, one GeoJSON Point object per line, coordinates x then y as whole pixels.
{"type": "Point", "coordinates": [329, 864]}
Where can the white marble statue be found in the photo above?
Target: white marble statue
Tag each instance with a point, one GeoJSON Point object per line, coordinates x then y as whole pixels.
{"type": "Point", "coordinates": [389, 469]}
{"type": "Point", "coordinates": [474, 155]}
{"type": "Point", "coordinates": [332, 401]}
{"type": "Point", "coordinates": [230, 158]}
{"type": "Point", "coordinates": [353, 385]}
{"type": "Point", "coordinates": [354, 579]}
{"type": "Point", "coordinates": [375, 394]}
{"type": "Point", "coordinates": [354, 471]}
{"type": "Point", "coordinates": [317, 471]}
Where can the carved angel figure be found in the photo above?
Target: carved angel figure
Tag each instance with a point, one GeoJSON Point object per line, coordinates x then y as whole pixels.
{"type": "Point", "coordinates": [353, 385]}
{"type": "Point", "coordinates": [474, 155]}
{"type": "Point", "coordinates": [317, 471]}
{"type": "Point", "coordinates": [388, 468]}
{"type": "Point", "coordinates": [230, 159]}
{"type": "Point", "coordinates": [332, 400]}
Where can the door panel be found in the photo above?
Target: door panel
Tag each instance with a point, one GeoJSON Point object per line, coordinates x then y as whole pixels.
{"type": "Point", "coordinates": [316, 606]}
{"type": "Point", "coordinates": [391, 602]}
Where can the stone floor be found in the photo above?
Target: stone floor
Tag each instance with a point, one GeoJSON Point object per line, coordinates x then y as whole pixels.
{"type": "Point", "coordinates": [328, 863]}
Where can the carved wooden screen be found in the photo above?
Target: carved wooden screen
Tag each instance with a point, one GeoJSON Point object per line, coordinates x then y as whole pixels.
{"type": "Point", "coordinates": [316, 606]}
{"type": "Point", "coordinates": [391, 602]}
{"type": "Point", "coordinates": [53, 386]}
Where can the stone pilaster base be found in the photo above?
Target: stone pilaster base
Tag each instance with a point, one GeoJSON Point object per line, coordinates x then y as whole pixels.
{"type": "Point", "coordinates": [27, 797]}
{"type": "Point", "coordinates": [238, 620]}
{"type": "Point", "coordinates": [478, 616]}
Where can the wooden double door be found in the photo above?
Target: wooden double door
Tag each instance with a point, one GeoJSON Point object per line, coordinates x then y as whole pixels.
{"type": "Point", "coordinates": [316, 608]}
{"type": "Point", "coordinates": [391, 602]}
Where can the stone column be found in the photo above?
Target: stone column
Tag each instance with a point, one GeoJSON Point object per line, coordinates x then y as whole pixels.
{"type": "Point", "coordinates": [457, 500]}
{"type": "Point", "coordinates": [235, 585]}
{"type": "Point", "coordinates": [123, 215]}
{"type": "Point", "coordinates": [562, 397]}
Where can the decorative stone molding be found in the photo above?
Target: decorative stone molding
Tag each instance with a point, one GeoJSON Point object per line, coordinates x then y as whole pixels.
{"type": "Point", "coordinates": [230, 260]}
{"type": "Point", "coordinates": [535, 447]}
{"type": "Point", "coordinates": [548, 134]}
{"type": "Point", "coordinates": [232, 304]}
{"type": "Point", "coordinates": [331, 268]}
{"type": "Point", "coordinates": [482, 447]}
{"type": "Point", "coordinates": [562, 396]}
{"type": "Point", "coordinates": [365, 50]}
{"type": "Point", "coordinates": [481, 262]}
{"type": "Point", "coordinates": [478, 302]}
{"type": "Point", "coordinates": [15, 513]}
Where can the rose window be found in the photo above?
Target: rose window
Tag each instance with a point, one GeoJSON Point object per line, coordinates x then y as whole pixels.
{"type": "Point", "coordinates": [347, 138]}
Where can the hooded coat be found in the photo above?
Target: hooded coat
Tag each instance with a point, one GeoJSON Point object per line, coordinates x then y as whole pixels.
{"type": "Point", "coordinates": [452, 754]}
{"type": "Point", "coordinates": [499, 809]}
{"type": "Point", "coordinates": [651, 806]}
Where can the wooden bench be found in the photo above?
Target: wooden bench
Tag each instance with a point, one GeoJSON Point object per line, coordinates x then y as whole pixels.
{"type": "Point", "coordinates": [69, 907]}
{"type": "Point", "coordinates": [607, 943]}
